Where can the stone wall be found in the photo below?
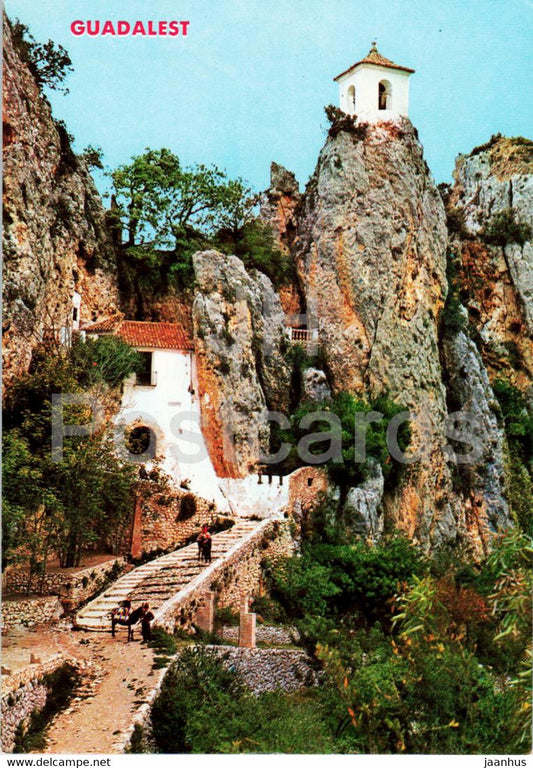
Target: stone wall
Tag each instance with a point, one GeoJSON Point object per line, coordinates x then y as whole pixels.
{"type": "Point", "coordinates": [269, 669]}
{"type": "Point", "coordinates": [243, 574]}
{"type": "Point", "coordinates": [24, 692]}
{"type": "Point", "coordinates": [305, 486]}
{"type": "Point", "coordinates": [264, 634]}
{"type": "Point", "coordinates": [30, 611]}
{"type": "Point", "coordinates": [240, 574]}
{"type": "Point", "coordinates": [163, 525]}
{"type": "Point", "coordinates": [73, 587]}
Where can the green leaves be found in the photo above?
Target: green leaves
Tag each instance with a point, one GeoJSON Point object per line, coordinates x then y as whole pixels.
{"type": "Point", "coordinates": [160, 200]}
{"type": "Point", "coordinates": [48, 62]}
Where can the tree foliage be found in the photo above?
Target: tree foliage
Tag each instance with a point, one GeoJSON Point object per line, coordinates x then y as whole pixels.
{"type": "Point", "coordinates": [49, 62]}
{"type": "Point", "coordinates": [61, 507]}
{"type": "Point", "coordinates": [170, 210]}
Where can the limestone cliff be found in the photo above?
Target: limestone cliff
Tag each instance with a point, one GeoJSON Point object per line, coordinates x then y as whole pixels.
{"type": "Point", "coordinates": [55, 239]}
{"type": "Point", "coordinates": [491, 219]}
{"type": "Point", "coordinates": [280, 209]}
{"type": "Point", "coordinates": [371, 250]}
{"type": "Point", "coordinates": [240, 344]}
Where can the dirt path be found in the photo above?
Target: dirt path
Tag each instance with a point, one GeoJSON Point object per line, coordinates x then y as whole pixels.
{"type": "Point", "coordinates": [116, 676]}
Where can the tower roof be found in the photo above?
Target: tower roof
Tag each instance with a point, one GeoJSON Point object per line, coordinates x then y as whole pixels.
{"type": "Point", "coordinates": [375, 57]}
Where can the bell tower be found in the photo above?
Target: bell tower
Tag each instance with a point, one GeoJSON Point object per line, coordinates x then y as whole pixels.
{"type": "Point", "coordinates": [375, 88]}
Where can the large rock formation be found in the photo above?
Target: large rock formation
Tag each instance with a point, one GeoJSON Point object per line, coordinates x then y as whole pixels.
{"type": "Point", "coordinates": [490, 213]}
{"type": "Point", "coordinates": [241, 346]}
{"type": "Point", "coordinates": [371, 255]}
{"type": "Point", "coordinates": [55, 237]}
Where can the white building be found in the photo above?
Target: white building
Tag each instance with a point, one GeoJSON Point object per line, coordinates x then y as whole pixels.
{"type": "Point", "coordinates": [160, 410]}
{"type": "Point", "coordinates": [374, 88]}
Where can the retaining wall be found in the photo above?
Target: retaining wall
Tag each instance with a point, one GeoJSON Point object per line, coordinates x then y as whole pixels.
{"type": "Point", "coordinates": [22, 693]}
{"type": "Point", "coordinates": [73, 586]}
{"type": "Point", "coordinates": [30, 611]}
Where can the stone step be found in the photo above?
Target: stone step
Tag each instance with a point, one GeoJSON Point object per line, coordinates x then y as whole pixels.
{"type": "Point", "coordinates": [160, 579]}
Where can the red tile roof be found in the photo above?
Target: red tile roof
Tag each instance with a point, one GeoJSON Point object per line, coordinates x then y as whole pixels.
{"type": "Point", "coordinates": [107, 325]}
{"type": "Point", "coordinates": [155, 335]}
{"type": "Point", "coordinates": [375, 57]}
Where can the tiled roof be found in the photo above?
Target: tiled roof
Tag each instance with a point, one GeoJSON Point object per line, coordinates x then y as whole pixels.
{"type": "Point", "coordinates": [107, 325]}
{"type": "Point", "coordinates": [155, 335]}
{"type": "Point", "coordinates": [375, 57]}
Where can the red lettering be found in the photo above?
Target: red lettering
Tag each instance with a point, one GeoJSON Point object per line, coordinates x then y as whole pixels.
{"type": "Point", "coordinates": [108, 28]}
{"type": "Point", "coordinates": [162, 27]}
{"type": "Point", "coordinates": [93, 30]}
{"type": "Point", "coordinates": [173, 28]}
{"type": "Point", "coordinates": [138, 29]}
{"type": "Point", "coordinates": [77, 27]}
{"type": "Point", "coordinates": [123, 27]}
{"type": "Point", "coordinates": [151, 30]}
{"type": "Point", "coordinates": [184, 25]}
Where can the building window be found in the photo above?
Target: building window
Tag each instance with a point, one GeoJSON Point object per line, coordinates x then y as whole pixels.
{"type": "Point", "coordinates": [75, 314]}
{"type": "Point", "coordinates": [351, 99]}
{"type": "Point", "coordinates": [145, 376]}
{"type": "Point", "coordinates": [384, 95]}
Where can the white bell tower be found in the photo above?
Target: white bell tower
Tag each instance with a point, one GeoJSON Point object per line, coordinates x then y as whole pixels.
{"type": "Point", "coordinates": [375, 88]}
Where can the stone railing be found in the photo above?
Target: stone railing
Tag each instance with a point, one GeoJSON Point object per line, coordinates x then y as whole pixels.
{"type": "Point", "coordinates": [237, 575]}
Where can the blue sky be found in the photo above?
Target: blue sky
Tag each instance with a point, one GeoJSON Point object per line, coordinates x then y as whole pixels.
{"type": "Point", "coordinates": [249, 82]}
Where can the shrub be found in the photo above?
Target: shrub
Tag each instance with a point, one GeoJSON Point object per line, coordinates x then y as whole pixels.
{"type": "Point", "coordinates": [341, 121]}
{"type": "Point", "coordinates": [504, 228]}
{"type": "Point", "coordinates": [106, 359]}
{"type": "Point", "coordinates": [48, 62]}
{"type": "Point", "coordinates": [187, 507]}
{"type": "Point", "coordinates": [203, 707]}
{"type": "Point", "coordinates": [349, 468]}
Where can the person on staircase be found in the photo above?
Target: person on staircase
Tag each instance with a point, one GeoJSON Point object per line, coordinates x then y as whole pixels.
{"type": "Point", "coordinates": [204, 544]}
{"type": "Point", "coordinates": [145, 625]}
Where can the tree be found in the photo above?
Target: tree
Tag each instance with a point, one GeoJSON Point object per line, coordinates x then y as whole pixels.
{"type": "Point", "coordinates": [160, 201]}
{"type": "Point", "coordinates": [93, 156]}
{"type": "Point", "coordinates": [48, 62]}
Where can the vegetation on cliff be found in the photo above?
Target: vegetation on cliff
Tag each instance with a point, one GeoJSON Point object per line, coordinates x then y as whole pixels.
{"type": "Point", "coordinates": [169, 211]}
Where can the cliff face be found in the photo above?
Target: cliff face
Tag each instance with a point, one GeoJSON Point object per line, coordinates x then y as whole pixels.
{"type": "Point", "coordinates": [55, 237]}
{"type": "Point", "coordinates": [371, 256]}
{"type": "Point", "coordinates": [491, 218]}
{"type": "Point", "coordinates": [242, 371]}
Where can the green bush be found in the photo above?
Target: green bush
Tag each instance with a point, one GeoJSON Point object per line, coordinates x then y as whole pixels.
{"type": "Point", "coordinates": [204, 708]}
{"type": "Point", "coordinates": [504, 228]}
{"type": "Point", "coordinates": [352, 468]}
{"type": "Point", "coordinates": [106, 359]}
{"type": "Point", "coordinates": [340, 580]}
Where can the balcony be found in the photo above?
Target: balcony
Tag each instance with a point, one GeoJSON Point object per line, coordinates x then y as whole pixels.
{"type": "Point", "coordinates": [302, 335]}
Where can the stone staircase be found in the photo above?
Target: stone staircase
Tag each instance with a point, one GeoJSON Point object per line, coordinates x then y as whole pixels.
{"type": "Point", "coordinates": [160, 579]}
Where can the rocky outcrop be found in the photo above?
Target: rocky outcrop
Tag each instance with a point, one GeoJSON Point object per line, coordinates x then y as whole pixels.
{"type": "Point", "coordinates": [491, 221]}
{"type": "Point", "coordinates": [361, 514]}
{"type": "Point", "coordinates": [479, 481]}
{"type": "Point", "coordinates": [372, 258]}
{"type": "Point", "coordinates": [315, 385]}
{"type": "Point", "coordinates": [280, 209]}
{"type": "Point", "coordinates": [55, 239]}
{"type": "Point", "coordinates": [241, 346]}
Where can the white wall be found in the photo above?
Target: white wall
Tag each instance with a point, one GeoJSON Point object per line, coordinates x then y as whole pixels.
{"type": "Point", "coordinates": [184, 458]}
{"type": "Point", "coordinates": [366, 80]}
